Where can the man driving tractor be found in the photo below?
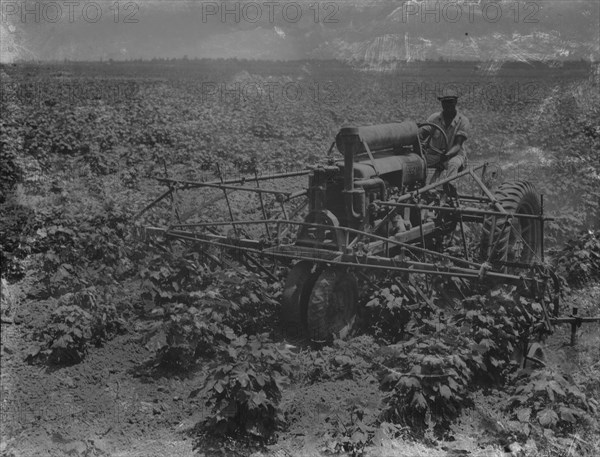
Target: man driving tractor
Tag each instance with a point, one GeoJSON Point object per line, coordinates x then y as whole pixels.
{"type": "Point", "coordinates": [447, 158]}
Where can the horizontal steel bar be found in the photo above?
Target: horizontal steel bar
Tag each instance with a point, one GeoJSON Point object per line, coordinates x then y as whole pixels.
{"type": "Point", "coordinates": [463, 210]}
{"type": "Point", "coordinates": [391, 240]}
{"type": "Point", "coordinates": [148, 232]}
{"type": "Point", "coordinates": [193, 184]}
{"type": "Point", "coordinates": [403, 237]}
{"type": "Point", "coordinates": [425, 268]}
{"type": "Point", "coordinates": [473, 197]}
{"type": "Point", "coordinates": [328, 258]}
{"type": "Point", "coordinates": [292, 252]}
{"type": "Point", "coordinates": [388, 265]}
{"type": "Point", "coordinates": [414, 193]}
{"type": "Point", "coordinates": [570, 320]}
{"type": "Point", "coordinates": [227, 243]}
{"type": "Point", "coordinates": [476, 219]}
{"type": "Point", "coordinates": [244, 179]}
{"type": "Point", "coordinates": [299, 193]}
{"type": "Point", "coordinates": [234, 242]}
{"type": "Point", "coordinates": [409, 265]}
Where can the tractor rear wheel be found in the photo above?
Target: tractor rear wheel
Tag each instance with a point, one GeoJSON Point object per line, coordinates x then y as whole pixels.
{"type": "Point", "coordinates": [296, 292]}
{"type": "Point", "coordinates": [333, 303]}
{"type": "Point", "coordinates": [521, 240]}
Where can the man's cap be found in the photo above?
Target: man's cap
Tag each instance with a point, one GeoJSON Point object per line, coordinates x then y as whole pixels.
{"type": "Point", "coordinates": [449, 94]}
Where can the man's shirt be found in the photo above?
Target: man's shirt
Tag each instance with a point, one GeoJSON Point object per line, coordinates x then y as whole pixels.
{"type": "Point", "coordinates": [458, 127]}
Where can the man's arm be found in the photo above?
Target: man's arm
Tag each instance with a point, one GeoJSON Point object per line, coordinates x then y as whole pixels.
{"type": "Point", "coordinates": [456, 148]}
{"type": "Point", "coordinates": [426, 131]}
{"type": "Point", "coordinates": [459, 139]}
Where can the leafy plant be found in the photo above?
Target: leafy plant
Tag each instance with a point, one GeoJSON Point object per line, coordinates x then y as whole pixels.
{"type": "Point", "coordinates": [17, 229]}
{"type": "Point", "coordinates": [499, 324]}
{"type": "Point", "coordinates": [76, 253]}
{"type": "Point", "coordinates": [188, 333]}
{"type": "Point", "coordinates": [428, 377]}
{"type": "Point", "coordinates": [579, 261]}
{"type": "Point", "coordinates": [247, 382]}
{"type": "Point", "coordinates": [351, 436]}
{"type": "Point", "coordinates": [169, 276]}
{"type": "Point", "coordinates": [81, 319]}
{"type": "Point", "coordinates": [388, 313]}
{"type": "Point", "coordinates": [548, 400]}
{"type": "Point", "coordinates": [256, 299]}
{"type": "Point", "coordinates": [343, 360]}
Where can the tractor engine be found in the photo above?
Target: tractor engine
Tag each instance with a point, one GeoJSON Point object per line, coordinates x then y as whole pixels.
{"type": "Point", "coordinates": [378, 160]}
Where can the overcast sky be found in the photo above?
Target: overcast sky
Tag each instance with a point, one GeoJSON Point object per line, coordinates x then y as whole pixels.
{"type": "Point", "coordinates": [475, 30]}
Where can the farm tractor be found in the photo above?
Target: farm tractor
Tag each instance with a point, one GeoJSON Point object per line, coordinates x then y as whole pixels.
{"type": "Point", "coordinates": [372, 213]}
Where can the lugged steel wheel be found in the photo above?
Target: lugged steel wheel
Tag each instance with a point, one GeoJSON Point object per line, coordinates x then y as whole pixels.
{"type": "Point", "coordinates": [296, 292]}
{"type": "Point", "coordinates": [521, 241]}
{"type": "Point", "coordinates": [333, 303]}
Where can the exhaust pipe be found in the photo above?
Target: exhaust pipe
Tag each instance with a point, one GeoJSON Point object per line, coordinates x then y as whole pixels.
{"type": "Point", "coordinates": [348, 141]}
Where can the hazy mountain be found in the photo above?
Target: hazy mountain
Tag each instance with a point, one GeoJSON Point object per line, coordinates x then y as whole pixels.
{"type": "Point", "coordinates": [370, 33]}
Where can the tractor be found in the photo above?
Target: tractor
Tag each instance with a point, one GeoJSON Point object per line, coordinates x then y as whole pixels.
{"type": "Point", "coordinates": [374, 191]}
{"type": "Point", "coordinates": [373, 210]}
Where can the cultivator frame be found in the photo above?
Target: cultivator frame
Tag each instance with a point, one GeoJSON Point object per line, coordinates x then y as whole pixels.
{"type": "Point", "coordinates": [324, 252]}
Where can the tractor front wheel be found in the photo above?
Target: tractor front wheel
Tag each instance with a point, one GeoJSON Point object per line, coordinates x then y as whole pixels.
{"type": "Point", "coordinates": [296, 292]}
{"type": "Point", "coordinates": [333, 304]}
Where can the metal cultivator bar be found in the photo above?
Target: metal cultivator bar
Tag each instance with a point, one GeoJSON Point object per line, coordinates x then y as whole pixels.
{"type": "Point", "coordinates": [372, 213]}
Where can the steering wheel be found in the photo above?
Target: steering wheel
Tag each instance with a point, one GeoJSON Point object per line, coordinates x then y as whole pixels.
{"type": "Point", "coordinates": [439, 129]}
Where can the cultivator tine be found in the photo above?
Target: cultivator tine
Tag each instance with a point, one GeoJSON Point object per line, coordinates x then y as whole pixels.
{"type": "Point", "coordinates": [491, 241]}
{"type": "Point", "coordinates": [153, 203]}
{"type": "Point", "coordinates": [173, 188]}
{"type": "Point", "coordinates": [261, 267]}
{"type": "Point", "coordinates": [212, 258]}
{"type": "Point", "coordinates": [283, 211]}
{"type": "Point", "coordinates": [262, 204]}
{"type": "Point", "coordinates": [227, 200]}
{"type": "Point", "coordinates": [423, 244]}
{"type": "Point", "coordinates": [483, 172]}
{"type": "Point", "coordinates": [542, 226]}
{"type": "Point", "coordinates": [422, 294]}
{"type": "Point", "coordinates": [464, 238]}
{"type": "Point", "coordinates": [174, 203]}
{"type": "Point", "coordinates": [487, 192]}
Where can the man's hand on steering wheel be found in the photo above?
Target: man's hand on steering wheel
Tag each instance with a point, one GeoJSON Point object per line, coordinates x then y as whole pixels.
{"type": "Point", "coordinates": [426, 142]}
{"type": "Point", "coordinates": [437, 151]}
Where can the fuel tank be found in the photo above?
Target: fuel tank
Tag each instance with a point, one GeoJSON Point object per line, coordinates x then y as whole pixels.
{"type": "Point", "coordinates": [395, 153]}
{"type": "Point", "coordinates": [379, 137]}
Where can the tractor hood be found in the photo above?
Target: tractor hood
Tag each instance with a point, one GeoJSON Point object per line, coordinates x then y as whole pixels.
{"type": "Point", "coordinates": [377, 137]}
